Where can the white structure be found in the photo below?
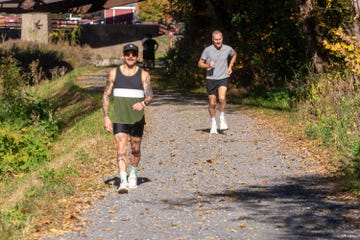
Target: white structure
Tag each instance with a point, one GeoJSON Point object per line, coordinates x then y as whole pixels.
{"type": "Point", "coordinates": [120, 15]}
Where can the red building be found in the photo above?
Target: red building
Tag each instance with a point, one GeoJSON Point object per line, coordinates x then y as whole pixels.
{"type": "Point", "coordinates": [120, 15]}
{"type": "Point", "coordinates": [10, 22]}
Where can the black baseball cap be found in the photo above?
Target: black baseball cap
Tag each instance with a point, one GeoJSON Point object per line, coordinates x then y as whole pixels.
{"type": "Point", "coordinates": [131, 47]}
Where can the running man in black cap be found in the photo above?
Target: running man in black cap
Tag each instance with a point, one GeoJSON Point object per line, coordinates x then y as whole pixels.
{"type": "Point", "coordinates": [132, 92]}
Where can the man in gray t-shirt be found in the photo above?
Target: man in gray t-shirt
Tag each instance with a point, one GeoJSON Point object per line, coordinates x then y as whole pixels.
{"type": "Point", "coordinates": [215, 59]}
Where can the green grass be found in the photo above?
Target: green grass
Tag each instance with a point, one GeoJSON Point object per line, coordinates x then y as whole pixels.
{"type": "Point", "coordinates": [34, 196]}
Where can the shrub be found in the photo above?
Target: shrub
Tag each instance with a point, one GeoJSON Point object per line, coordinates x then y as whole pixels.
{"type": "Point", "coordinates": [11, 222]}
{"type": "Point", "coordinates": [333, 104]}
{"type": "Point", "coordinates": [27, 124]}
{"type": "Point", "coordinates": [21, 150]}
{"type": "Point", "coordinates": [13, 84]}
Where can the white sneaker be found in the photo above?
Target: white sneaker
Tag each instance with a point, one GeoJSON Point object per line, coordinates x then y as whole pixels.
{"type": "Point", "coordinates": [132, 181]}
{"type": "Point", "coordinates": [223, 124]}
{"type": "Point", "coordinates": [213, 129]}
{"type": "Point", "coordinates": [123, 188]}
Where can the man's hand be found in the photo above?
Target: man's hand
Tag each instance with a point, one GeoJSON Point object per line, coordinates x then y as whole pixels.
{"type": "Point", "coordinates": [138, 106]}
{"type": "Point", "coordinates": [211, 64]}
{"type": "Point", "coordinates": [108, 124]}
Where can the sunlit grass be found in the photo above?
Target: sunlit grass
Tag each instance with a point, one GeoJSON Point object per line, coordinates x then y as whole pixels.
{"type": "Point", "coordinates": [37, 201]}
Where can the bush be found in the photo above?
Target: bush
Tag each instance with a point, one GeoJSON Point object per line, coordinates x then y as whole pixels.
{"type": "Point", "coordinates": [27, 124]}
{"type": "Point", "coordinates": [21, 150]}
{"type": "Point", "coordinates": [11, 222]}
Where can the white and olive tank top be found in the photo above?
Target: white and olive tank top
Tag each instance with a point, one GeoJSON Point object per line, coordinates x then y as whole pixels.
{"type": "Point", "coordinates": [127, 91]}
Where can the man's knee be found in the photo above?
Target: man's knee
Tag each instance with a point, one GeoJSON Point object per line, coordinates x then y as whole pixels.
{"type": "Point", "coordinates": [222, 100]}
{"type": "Point", "coordinates": [212, 104]}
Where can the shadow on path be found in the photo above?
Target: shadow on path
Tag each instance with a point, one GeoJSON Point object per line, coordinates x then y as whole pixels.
{"type": "Point", "coordinates": [302, 207]}
{"type": "Point", "coordinates": [116, 181]}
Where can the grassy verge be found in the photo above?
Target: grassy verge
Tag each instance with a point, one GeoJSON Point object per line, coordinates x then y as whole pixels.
{"type": "Point", "coordinates": [49, 199]}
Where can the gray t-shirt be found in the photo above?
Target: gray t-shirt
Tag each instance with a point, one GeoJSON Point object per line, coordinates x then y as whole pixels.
{"type": "Point", "coordinates": [220, 57]}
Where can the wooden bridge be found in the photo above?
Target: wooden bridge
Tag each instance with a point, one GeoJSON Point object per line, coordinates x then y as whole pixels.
{"type": "Point", "coordinates": [59, 6]}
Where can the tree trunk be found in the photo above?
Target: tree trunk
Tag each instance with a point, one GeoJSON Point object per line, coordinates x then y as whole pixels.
{"type": "Point", "coordinates": [356, 24]}
{"type": "Point", "coordinates": [310, 30]}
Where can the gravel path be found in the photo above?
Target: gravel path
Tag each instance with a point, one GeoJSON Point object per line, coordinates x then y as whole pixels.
{"type": "Point", "coordinates": [240, 184]}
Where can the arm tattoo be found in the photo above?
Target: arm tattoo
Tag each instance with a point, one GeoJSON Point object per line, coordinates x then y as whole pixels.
{"type": "Point", "coordinates": [106, 98]}
{"type": "Point", "coordinates": [148, 90]}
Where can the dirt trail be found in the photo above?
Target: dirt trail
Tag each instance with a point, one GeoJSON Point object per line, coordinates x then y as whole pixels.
{"type": "Point", "coordinates": [240, 184]}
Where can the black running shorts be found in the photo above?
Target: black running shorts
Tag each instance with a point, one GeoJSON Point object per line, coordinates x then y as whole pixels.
{"type": "Point", "coordinates": [134, 130]}
{"type": "Point", "coordinates": [212, 86]}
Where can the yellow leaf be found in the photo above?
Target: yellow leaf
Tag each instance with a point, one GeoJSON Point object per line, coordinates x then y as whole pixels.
{"type": "Point", "coordinates": [20, 175]}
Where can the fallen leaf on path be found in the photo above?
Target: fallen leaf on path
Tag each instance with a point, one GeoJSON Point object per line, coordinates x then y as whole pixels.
{"type": "Point", "coordinates": [211, 160]}
{"type": "Point", "coordinates": [241, 225]}
{"type": "Point", "coordinates": [109, 229]}
{"type": "Point", "coordinates": [112, 210]}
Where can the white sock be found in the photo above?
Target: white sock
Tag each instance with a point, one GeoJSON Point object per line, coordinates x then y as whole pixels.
{"type": "Point", "coordinates": [213, 120]}
{"type": "Point", "coordinates": [222, 114]}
